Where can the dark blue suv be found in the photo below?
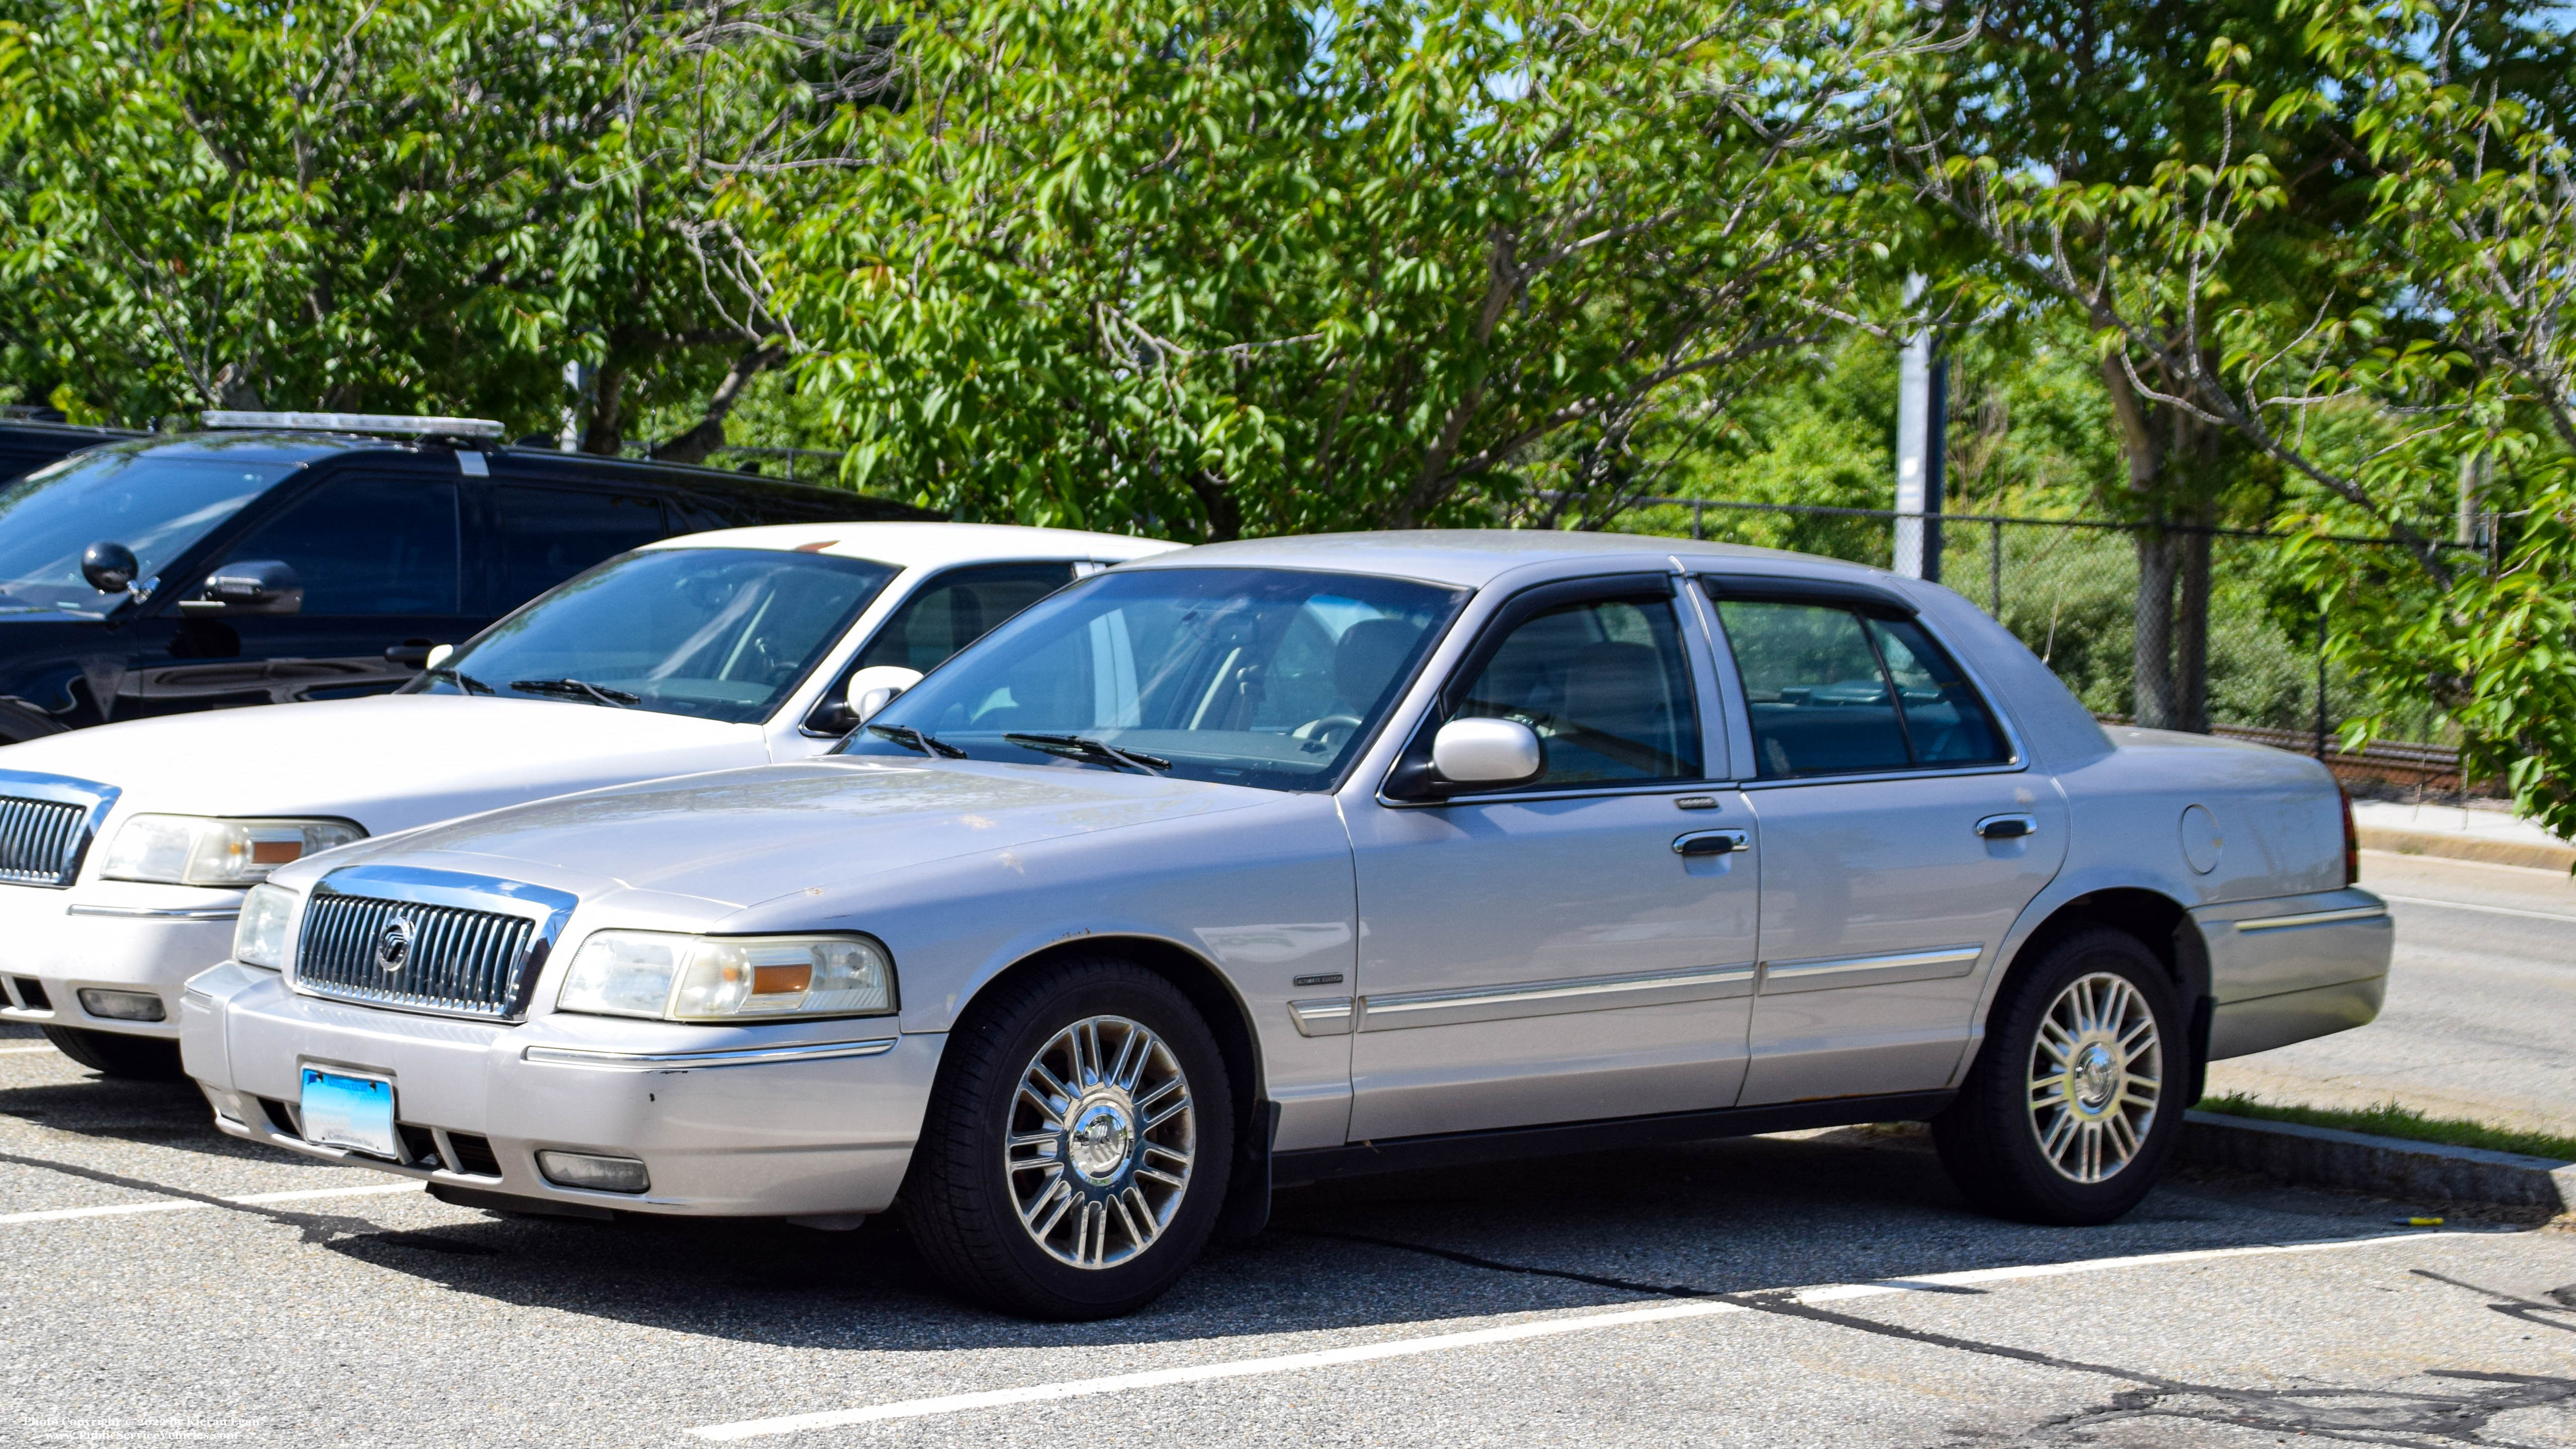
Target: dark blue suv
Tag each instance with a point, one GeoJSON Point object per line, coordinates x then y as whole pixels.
{"type": "Point", "coordinates": [263, 565]}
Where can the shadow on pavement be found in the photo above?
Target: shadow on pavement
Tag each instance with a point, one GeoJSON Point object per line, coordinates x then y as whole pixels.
{"type": "Point", "coordinates": [1722, 1217]}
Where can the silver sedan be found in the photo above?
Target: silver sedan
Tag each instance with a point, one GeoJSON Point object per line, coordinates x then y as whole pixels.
{"type": "Point", "coordinates": [1269, 862]}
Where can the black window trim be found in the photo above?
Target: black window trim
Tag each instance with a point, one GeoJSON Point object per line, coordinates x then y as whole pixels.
{"type": "Point", "coordinates": [1397, 789]}
{"type": "Point", "coordinates": [1869, 602]}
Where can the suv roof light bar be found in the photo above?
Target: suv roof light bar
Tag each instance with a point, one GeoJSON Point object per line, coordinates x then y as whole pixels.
{"type": "Point", "coordinates": [357, 423]}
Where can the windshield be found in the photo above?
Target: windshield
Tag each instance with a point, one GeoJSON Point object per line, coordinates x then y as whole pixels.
{"type": "Point", "coordinates": [156, 506]}
{"type": "Point", "coordinates": [714, 633]}
{"type": "Point", "coordinates": [1262, 677]}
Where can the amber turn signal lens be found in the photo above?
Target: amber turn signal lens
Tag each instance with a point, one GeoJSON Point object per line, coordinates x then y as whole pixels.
{"type": "Point", "coordinates": [774, 980]}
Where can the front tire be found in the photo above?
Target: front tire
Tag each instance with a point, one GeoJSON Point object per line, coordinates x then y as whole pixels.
{"type": "Point", "coordinates": [2073, 1108]}
{"type": "Point", "coordinates": [1073, 1158]}
{"type": "Point", "coordinates": [138, 1058]}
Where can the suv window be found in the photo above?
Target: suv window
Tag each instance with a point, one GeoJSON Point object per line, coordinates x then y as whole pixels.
{"type": "Point", "coordinates": [956, 609]}
{"type": "Point", "coordinates": [1606, 685]}
{"type": "Point", "coordinates": [368, 544]}
{"type": "Point", "coordinates": [550, 534]}
{"type": "Point", "coordinates": [1832, 691]}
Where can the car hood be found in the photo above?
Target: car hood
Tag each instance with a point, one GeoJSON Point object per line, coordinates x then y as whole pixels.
{"type": "Point", "coordinates": [745, 836]}
{"type": "Point", "coordinates": [388, 762]}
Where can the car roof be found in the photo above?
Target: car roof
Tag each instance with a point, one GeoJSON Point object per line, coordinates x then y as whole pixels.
{"type": "Point", "coordinates": [926, 545]}
{"type": "Point", "coordinates": [1474, 557]}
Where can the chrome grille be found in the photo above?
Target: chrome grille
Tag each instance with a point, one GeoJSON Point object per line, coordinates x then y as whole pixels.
{"type": "Point", "coordinates": [41, 840]}
{"type": "Point", "coordinates": [459, 961]}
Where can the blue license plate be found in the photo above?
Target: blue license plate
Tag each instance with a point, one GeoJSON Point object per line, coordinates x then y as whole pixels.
{"type": "Point", "coordinates": [346, 1109]}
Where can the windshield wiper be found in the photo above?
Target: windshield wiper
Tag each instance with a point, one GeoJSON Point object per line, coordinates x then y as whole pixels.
{"type": "Point", "coordinates": [913, 739]}
{"type": "Point", "coordinates": [578, 689]}
{"type": "Point", "coordinates": [464, 681]}
{"type": "Point", "coordinates": [1081, 748]}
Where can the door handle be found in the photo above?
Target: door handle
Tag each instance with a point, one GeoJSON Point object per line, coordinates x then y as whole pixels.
{"type": "Point", "coordinates": [2008, 827]}
{"type": "Point", "coordinates": [1712, 842]}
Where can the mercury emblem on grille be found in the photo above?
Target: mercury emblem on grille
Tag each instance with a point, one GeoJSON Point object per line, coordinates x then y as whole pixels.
{"type": "Point", "coordinates": [393, 948]}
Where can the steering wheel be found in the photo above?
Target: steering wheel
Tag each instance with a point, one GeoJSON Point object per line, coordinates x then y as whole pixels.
{"type": "Point", "coordinates": [1321, 730]}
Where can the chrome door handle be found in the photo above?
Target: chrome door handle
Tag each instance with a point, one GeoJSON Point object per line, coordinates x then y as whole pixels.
{"type": "Point", "coordinates": [2008, 827]}
{"type": "Point", "coordinates": [1712, 842]}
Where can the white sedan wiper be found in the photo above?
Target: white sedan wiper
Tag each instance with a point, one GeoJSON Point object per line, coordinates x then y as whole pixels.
{"type": "Point", "coordinates": [578, 688]}
{"type": "Point", "coordinates": [1083, 748]}
{"type": "Point", "coordinates": [464, 681]}
{"type": "Point", "coordinates": [911, 738]}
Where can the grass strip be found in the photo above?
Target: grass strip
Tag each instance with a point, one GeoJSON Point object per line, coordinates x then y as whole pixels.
{"type": "Point", "coordinates": [2391, 1120]}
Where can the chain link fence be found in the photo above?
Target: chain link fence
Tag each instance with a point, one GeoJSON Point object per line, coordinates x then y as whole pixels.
{"type": "Point", "coordinates": [2068, 589]}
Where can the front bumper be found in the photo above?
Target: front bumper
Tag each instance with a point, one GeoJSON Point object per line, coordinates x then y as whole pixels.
{"type": "Point", "coordinates": [118, 935]}
{"type": "Point", "coordinates": [2294, 967]}
{"type": "Point", "coordinates": [779, 1132]}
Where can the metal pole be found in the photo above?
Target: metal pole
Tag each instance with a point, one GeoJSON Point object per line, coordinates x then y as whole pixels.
{"type": "Point", "coordinates": [1936, 448]}
{"type": "Point", "coordinates": [1699, 519]}
{"type": "Point", "coordinates": [2321, 681]}
{"type": "Point", "coordinates": [1995, 568]}
{"type": "Point", "coordinates": [1913, 444]}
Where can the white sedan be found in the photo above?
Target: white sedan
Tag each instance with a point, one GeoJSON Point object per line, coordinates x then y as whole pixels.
{"type": "Point", "coordinates": [124, 850]}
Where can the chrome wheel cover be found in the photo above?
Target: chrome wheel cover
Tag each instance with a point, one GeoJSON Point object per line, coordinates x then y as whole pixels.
{"type": "Point", "coordinates": [2096, 1071]}
{"type": "Point", "coordinates": [1102, 1134]}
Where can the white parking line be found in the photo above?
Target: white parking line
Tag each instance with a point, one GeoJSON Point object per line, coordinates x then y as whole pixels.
{"type": "Point", "coordinates": [180, 1205]}
{"type": "Point", "coordinates": [2490, 910]}
{"type": "Point", "coordinates": [22, 1051]}
{"type": "Point", "coordinates": [1476, 1338]}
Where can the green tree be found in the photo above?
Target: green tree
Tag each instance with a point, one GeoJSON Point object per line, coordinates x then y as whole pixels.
{"type": "Point", "coordinates": [1221, 270]}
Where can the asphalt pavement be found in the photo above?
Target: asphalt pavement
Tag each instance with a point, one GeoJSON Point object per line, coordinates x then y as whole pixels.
{"type": "Point", "coordinates": [2481, 1004]}
{"type": "Point", "coordinates": [163, 1285]}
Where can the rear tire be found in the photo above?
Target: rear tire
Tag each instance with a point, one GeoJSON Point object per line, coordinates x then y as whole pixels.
{"type": "Point", "coordinates": [138, 1058]}
{"type": "Point", "coordinates": [1073, 1159]}
{"type": "Point", "coordinates": [2074, 1107]}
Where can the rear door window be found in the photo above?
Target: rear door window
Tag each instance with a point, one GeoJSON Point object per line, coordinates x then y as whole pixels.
{"type": "Point", "coordinates": [366, 544]}
{"type": "Point", "coordinates": [1831, 691]}
{"type": "Point", "coordinates": [549, 534]}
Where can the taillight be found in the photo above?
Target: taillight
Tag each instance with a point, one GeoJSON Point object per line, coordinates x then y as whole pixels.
{"type": "Point", "coordinates": [2351, 844]}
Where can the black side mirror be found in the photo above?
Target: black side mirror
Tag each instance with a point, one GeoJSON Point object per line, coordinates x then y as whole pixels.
{"type": "Point", "coordinates": [255, 586]}
{"type": "Point", "coordinates": [110, 566]}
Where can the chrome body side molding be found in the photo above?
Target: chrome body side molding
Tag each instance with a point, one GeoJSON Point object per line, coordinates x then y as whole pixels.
{"type": "Point", "coordinates": [1833, 973]}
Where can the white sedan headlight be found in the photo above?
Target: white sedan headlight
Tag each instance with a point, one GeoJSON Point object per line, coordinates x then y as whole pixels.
{"type": "Point", "coordinates": [259, 937]}
{"type": "Point", "coordinates": [728, 978]}
{"type": "Point", "coordinates": [198, 851]}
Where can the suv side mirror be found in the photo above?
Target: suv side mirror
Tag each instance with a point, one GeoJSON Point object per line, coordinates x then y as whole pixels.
{"type": "Point", "coordinates": [254, 586]}
{"type": "Point", "coordinates": [1487, 752]}
{"type": "Point", "coordinates": [109, 566]}
{"type": "Point", "coordinates": [869, 690]}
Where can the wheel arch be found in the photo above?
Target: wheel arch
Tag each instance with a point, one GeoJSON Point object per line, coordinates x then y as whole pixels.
{"type": "Point", "coordinates": [1228, 1017]}
{"type": "Point", "coordinates": [2155, 920]}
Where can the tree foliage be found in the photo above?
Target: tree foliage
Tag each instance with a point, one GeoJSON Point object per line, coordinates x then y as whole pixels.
{"type": "Point", "coordinates": [1383, 263]}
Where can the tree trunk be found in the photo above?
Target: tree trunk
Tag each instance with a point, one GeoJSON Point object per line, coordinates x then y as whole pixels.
{"type": "Point", "coordinates": [2191, 631]}
{"type": "Point", "coordinates": [708, 433]}
{"type": "Point", "coordinates": [2152, 654]}
{"type": "Point", "coordinates": [606, 435]}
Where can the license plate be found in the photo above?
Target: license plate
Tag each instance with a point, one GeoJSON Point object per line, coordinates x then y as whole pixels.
{"type": "Point", "coordinates": [349, 1109]}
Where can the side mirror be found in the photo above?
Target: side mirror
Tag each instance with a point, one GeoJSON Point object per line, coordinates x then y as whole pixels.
{"type": "Point", "coordinates": [875, 687]}
{"type": "Point", "coordinates": [417, 654]}
{"type": "Point", "coordinates": [438, 654]}
{"type": "Point", "coordinates": [255, 586]}
{"type": "Point", "coordinates": [110, 566]}
{"type": "Point", "coordinates": [1487, 752]}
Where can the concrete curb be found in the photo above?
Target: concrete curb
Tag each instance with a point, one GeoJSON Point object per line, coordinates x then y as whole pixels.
{"type": "Point", "coordinates": [2421, 1171]}
{"type": "Point", "coordinates": [2454, 846]}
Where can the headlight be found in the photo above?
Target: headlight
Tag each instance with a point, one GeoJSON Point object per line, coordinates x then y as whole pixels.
{"type": "Point", "coordinates": [727, 978]}
{"type": "Point", "coordinates": [194, 850]}
{"type": "Point", "coordinates": [259, 937]}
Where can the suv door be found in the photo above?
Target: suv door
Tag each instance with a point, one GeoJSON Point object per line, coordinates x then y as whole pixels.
{"type": "Point", "coordinates": [1900, 839]}
{"type": "Point", "coordinates": [1546, 953]}
{"type": "Point", "coordinates": [375, 563]}
{"type": "Point", "coordinates": [543, 533]}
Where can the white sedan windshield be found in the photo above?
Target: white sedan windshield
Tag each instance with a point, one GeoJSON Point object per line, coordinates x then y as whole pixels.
{"type": "Point", "coordinates": [718, 633]}
{"type": "Point", "coordinates": [1265, 677]}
